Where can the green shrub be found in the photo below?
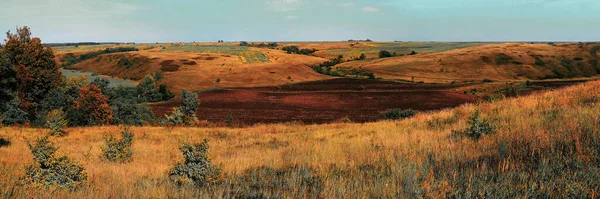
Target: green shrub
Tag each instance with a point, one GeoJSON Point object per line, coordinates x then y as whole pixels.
{"type": "Point", "coordinates": [56, 121]}
{"type": "Point", "coordinates": [229, 119]}
{"type": "Point", "coordinates": [477, 129]}
{"type": "Point", "coordinates": [4, 142]}
{"type": "Point", "coordinates": [398, 114]}
{"type": "Point", "coordinates": [50, 170]}
{"type": "Point", "coordinates": [190, 103]}
{"type": "Point", "coordinates": [539, 61]}
{"type": "Point", "coordinates": [127, 112]}
{"type": "Point", "coordinates": [178, 118]}
{"type": "Point", "coordinates": [197, 168]}
{"type": "Point", "coordinates": [502, 59]}
{"type": "Point", "coordinates": [384, 54]}
{"type": "Point", "coordinates": [13, 113]}
{"type": "Point", "coordinates": [119, 150]}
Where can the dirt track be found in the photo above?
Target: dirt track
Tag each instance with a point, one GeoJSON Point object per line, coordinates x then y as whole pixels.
{"type": "Point", "coordinates": [321, 101]}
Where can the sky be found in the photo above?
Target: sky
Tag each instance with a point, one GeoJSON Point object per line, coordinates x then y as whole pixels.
{"type": "Point", "coordinates": [303, 20]}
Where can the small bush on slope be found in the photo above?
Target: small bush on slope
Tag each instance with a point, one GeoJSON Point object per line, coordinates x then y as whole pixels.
{"type": "Point", "coordinates": [4, 142]}
{"type": "Point", "coordinates": [185, 115]}
{"type": "Point", "coordinates": [197, 168]}
{"type": "Point", "coordinates": [50, 170]}
{"type": "Point", "coordinates": [478, 127]}
{"type": "Point", "coordinates": [56, 121]}
{"type": "Point", "coordinates": [118, 150]}
{"type": "Point", "coordinates": [398, 114]}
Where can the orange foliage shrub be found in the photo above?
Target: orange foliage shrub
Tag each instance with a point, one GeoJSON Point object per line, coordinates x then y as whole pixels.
{"type": "Point", "coordinates": [94, 102]}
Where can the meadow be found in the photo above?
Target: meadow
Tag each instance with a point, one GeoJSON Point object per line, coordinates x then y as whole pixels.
{"type": "Point", "coordinates": [546, 145]}
{"type": "Point", "coordinates": [373, 49]}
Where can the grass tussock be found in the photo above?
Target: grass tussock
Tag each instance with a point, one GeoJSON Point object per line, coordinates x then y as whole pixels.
{"type": "Point", "coordinates": [543, 146]}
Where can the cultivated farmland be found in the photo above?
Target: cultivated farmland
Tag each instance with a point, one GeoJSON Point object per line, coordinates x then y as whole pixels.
{"type": "Point", "coordinates": [245, 53]}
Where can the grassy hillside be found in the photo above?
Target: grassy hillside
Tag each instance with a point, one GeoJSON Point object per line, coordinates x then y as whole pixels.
{"type": "Point", "coordinates": [544, 145]}
{"type": "Point", "coordinates": [201, 70]}
{"type": "Point", "coordinates": [504, 62]}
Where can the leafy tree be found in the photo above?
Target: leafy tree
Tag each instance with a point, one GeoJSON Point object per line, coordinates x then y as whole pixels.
{"type": "Point", "coordinates": [8, 83]}
{"type": "Point", "coordinates": [291, 49]}
{"type": "Point", "coordinates": [104, 85]}
{"type": "Point", "coordinates": [56, 99]}
{"type": "Point", "coordinates": [36, 71]}
{"type": "Point", "coordinates": [126, 111]}
{"type": "Point", "coordinates": [147, 90]}
{"type": "Point", "coordinates": [74, 84]}
{"type": "Point", "coordinates": [95, 104]}
{"type": "Point", "coordinates": [165, 94]}
{"type": "Point", "coordinates": [244, 43]}
{"type": "Point", "coordinates": [14, 114]}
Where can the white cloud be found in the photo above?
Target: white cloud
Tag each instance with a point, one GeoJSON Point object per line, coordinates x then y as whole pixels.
{"type": "Point", "coordinates": [370, 9]}
{"type": "Point", "coordinates": [291, 17]}
{"type": "Point", "coordinates": [283, 5]}
{"type": "Point", "coordinates": [340, 4]}
{"type": "Point", "coordinates": [348, 4]}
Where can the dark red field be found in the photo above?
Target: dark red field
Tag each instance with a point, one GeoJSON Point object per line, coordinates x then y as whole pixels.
{"type": "Point", "coordinates": [321, 101]}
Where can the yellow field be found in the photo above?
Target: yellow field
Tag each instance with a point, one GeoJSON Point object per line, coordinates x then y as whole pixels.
{"type": "Point", "coordinates": [546, 145]}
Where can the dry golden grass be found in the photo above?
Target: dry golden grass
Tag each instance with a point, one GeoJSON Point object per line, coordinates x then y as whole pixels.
{"type": "Point", "coordinates": [206, 68]}
{"type": "Point", "coordinates": [417, 157]}
{"type": "Point", "coordinates": [469, 64]}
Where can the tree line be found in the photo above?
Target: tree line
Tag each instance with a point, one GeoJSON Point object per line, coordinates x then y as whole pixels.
{"type": "Point", "coordinates": [34, 92]}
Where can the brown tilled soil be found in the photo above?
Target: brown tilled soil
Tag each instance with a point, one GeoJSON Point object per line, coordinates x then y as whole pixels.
{"type": "Point", "coordinates": [321, 101]}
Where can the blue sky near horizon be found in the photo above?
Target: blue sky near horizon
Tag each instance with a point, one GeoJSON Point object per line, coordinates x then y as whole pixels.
{"type": "Point", "coordinates": [304, 20]}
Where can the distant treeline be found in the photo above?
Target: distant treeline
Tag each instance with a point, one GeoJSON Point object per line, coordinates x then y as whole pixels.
{"type": "Point", "coordinates": [358, 40]}
{"type": "Point", "coordinates": [82, 44]}
{"type": "Point", "coordinates": [71, 59]}
{"type": "Point", "coordinates": [327, 68]}
{"type": "Point", "coordinates": [271, 45]}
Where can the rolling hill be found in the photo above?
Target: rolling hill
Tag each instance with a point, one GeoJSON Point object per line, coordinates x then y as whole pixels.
{"type": "Point", "coordinates": [501, 62]}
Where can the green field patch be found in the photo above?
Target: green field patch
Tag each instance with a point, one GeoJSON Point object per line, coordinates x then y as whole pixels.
{"type": "Point", "coordinates": [114, 82]}
{"type": "Point", "coordinates": [247, 55]}
{"type": "Point", "coordinates": [402, 48]}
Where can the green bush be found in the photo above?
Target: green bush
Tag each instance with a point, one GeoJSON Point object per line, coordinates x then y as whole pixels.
{"type": "Point", "coordinates": [178, 118]}
{"type": "Point", "coordinates": [56, 121]}
{"type": "Point", "coordinates": [384, 54]}
{"type": "Point", "coordinates": [4, 142]}
{"type": "Point", "coordinates": [50, 170]}
{"type": "Point", "coordinates": [13, 113]}
{"type": "Point", "coordinates": [127, 112]}
{"type": "Point", "coordinates": [539, 61]}
{"type": "Point", "coordinates": [477, 129]}
{"type": "Point", "coordinates": [502, 59]}
{"type": "Point", "coordinates": [190, 103]}
{"type": "Point", "coordinates": [398, 114]}
{"type": "Point", "coordinates": [118, 150]}
{"type": "Point", "coordinates": [197, 168]}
